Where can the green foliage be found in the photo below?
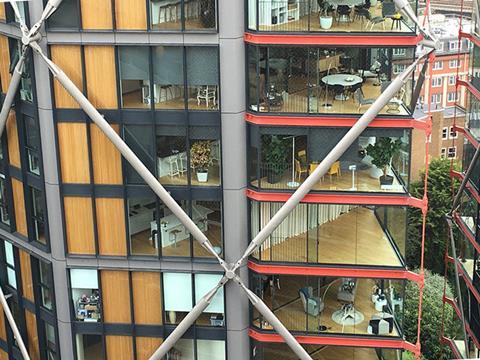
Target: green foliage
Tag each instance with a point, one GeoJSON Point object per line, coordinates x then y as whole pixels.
{"type": "Point", "coordinates": [382, 152]}
{"type": "Point", "coordinates": [275, 153]}
{"type": "Point", "coordinates": [432, 311]}
{"type": "Point", "coordinates": [436, 231]}
{"type": "Point", "coordinates": [201, 155]}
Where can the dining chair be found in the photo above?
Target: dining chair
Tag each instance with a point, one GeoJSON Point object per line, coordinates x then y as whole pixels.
{"type": "Point", "coordinates": [299, 170]}
{"type": "Point", "coordinates": [335, 170]}
{"type": "Point", "coordinates": [358, 96]}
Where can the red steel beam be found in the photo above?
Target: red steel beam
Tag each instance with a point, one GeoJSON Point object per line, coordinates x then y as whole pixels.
{"type": "Point", "coordinates": [470, 332]}
{"type": "Point", "coordinates": [470, 87]}
{"type": "Point", "coordinates": [468, 135]}
{"type": "Point", "coordinates": [472, 37]}
{"type": "Point", "coordinates": [469, 185]}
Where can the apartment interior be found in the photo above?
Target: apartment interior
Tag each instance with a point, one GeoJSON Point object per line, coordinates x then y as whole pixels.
{"type": "Point", "coordinates": [332, 305]}
{"type": "Point", "coordinates": [332, 234]}
{"type": "Point", "coordinates": [324, 81]}
{"type": "Point", "coordinates": [166, 14]}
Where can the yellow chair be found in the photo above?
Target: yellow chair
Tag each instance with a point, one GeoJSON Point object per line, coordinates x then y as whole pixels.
{"type": "Point", "coordinates": [299, 170]}
{"type": "Point", "coordinates": [312, 168]}
{"type": "Point", "coordinates": [335, 170]}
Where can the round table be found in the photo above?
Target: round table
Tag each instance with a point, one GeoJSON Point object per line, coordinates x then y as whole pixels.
{"type": "Point", "coordinates": [341, 79]}
{"type": "Point", "coordinates": [350, 3]}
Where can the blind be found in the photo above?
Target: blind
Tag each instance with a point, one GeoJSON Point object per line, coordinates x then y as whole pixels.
{"type": "Point", "coordinates": [168, 65]}
{"type": "Point", "coordinates": [203, 284]}
{"type": "Point", "coordinates": [177, 291]}
{"type": "Point", "coordinates": [210, 350]}
{"type": "Point", "coordinates": [9, 253]}
{"type": "Point", "coordinates": [83, 279]}
{"type": "Point", "coordinates": [134, 63]}
{"type": "Point", "coordinates": [202, 65]}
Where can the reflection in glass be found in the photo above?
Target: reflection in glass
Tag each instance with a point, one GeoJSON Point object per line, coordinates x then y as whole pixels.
{"type": "Point", "coordinates": [134, 77]}
{"type": "Point", "coordinates": [66, 16]}
{"type": "Point", "coordinates": [142, 226]}
{"type": "Point", "coordinates": [89, 347]}
{"type": "Point", "coordinates": [38, 216]}
{"type": "Point", "coordinates": [200, 14]}
{"type": "Point", "coordinates": [168, 77]}
{"type": "Point", "coordinates": [4, 215]}
{"type": "Point", "coordinates": [32, 144]}
{"type": "Point", "coordinates": [202, 78]}
{"type": "Point", "coordinates": [165, 14]}
{"type": "Point", "coordinates": [45, 284]}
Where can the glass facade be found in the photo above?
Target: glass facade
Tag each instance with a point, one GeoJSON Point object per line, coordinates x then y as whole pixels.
{"type": "Point", "coordinates": [325, 80]}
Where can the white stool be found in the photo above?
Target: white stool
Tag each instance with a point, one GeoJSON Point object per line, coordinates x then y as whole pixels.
{"type": "Point", "coordinates": [183, 163]}
{"type": "Point", "coordinates": [174, 169]}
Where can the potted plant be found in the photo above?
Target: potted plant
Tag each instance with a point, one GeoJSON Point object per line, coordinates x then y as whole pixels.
{"type": "Point", "coordinates": [200, 158]}
{"type": "Point", "coordinates": [326, 20]}
{"type": "Point", "coordinates": [382, 152]}
{"type": "Point", "coordinates": [274, 157]}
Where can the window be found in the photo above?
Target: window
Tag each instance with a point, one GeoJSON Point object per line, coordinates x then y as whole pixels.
{"type": "Point", "coordinates": [198, 15]}
{"type": "Point", "coordinates": [202, 78]}
{"type": "Point", "coordinates": [445, 133]}
{"type": "Point", "coordinates": [436, 98]}
{"type": "Point", "coordinates": [453, 64]}
{"type": "Point", "coordinates": [4, 215]}
{"type": "Point", "coordinates": [46, 286]}
{"type": "Point", "coordinates": [134, 77]}
{"type": "Point", "coordinates": [452, 96]}
{"type": "Point", "coordinates": [453, 45]}
{"type": "Point", "coordinates": [66, 16]}
{"type": "Point", "coordinates": [438, 65]}
{"type": "Point", "coordinates": [452, 133]}
{"type": "Point", "coordinates": [443, 153]}
{"type": "Point", "coordinates": [10, 261]}
{"type": "Point", "coordinates": [85, 294]}
{"type": "Point", "coordinates": [399, 68]}
{"type": "Point", "coordinates": [142, 225]}
{"type": "Point", "coordinates": [399, 52]}
{"type": "Point", "coordinates": [37, 215]}
{"type": "Point", "coordinates": [26, 80]}
{"type": "Point", "coordinates": [441, 46]}
{"type": "Point", "coordinates": [452, 152]}
{"type": "Point", "coordinates": [32, 144]}
{"type": "Point", "coordinates": [168, 77]}
{"type": "Point", "coordinates": [451, 80]}
{"type": "Point", "coordinates": [89, 347]}
{"type": "Point", "coordinates": [436, 81]}
{"type": "Point", "coordinates": [51, 346]}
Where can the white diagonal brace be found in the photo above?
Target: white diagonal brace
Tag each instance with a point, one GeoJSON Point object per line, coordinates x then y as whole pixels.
{"type": "Point", "coordinates": [49, 9]}
{"type": "Point", "coordinates": [128, 154]}
{"type": "Point", "coordinates": [21, 21]}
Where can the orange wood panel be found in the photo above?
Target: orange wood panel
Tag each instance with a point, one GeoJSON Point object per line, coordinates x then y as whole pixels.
{"type": "Point", "coordinates": [101, 76]}
{"type": "Point", "coordinates": [147, 298]}
{"type": "Point", "coordinates": [69, 58]}
{"type": "Point", "coordinates": [116, 297]}
{"type": "Point", "coordinates": [107, 163]}
{"type": "Point", "coordinates": [73, 146]}
{"type": "Point", "coordinates": [119, 347]}
{"type": "Point", "coordinates": [3, 329]}
{"type": "Point", "coordinates": [33, 345]}
{"type": "Point", "coordinates": [96, 14]}
{"type": "Point", "coordinates": [4, 63]}
{"type": "Point", "coordinates": [26, 271]}
{"type": "Point", "coordinates": [3, 355]}
{"type": "Point", "coordinates": [131, 14]}
{"type": "Point", "coordinates": [19, 204]}
{"type": "Point", "coordinates": [146, 346]}
{"type": "Point", "coordinates": [79, 226]}
{"type": "Point", "coordinates": [111, 227]}
{"type": "Point", "coordinates": [12, 140]}
{"type": "Point", "coordinates": [2, 12]}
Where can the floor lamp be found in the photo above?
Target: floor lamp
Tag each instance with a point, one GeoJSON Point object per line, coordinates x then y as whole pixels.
{"type": "Point", "coordinates": [326, 104]}
{"type": "Point", "coordinates": [323, 327]}
{"type": "Point", "coordinates": [293, 183]}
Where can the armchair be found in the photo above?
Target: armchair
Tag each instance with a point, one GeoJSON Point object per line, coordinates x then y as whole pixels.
{"type": "Point", "coordinates": [347, 290]}
{"type": "Point", "coordinates": [311, 305]}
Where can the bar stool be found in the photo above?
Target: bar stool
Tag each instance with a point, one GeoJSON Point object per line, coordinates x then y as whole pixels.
{"type": "Point", "coordinates": [182, 163]}
{"type": "Point", "coordinates": [173, 236]}
{"type": "Point", "coordinates": [173, 162]}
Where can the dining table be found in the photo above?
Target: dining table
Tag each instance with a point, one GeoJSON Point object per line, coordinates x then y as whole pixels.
{"type": "Point", "coordinates": [344, 80]}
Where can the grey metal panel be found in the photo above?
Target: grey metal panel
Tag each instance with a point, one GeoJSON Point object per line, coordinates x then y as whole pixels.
{"type": "Point", "coordinates": [53, 199]}
{"type": "Point", "coordinates": [232, 79]}
{"type": "Point", "coordinates": [231, 18]}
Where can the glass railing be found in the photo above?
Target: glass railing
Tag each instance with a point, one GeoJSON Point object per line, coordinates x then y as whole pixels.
{"type": "Point", "coordinates": [472, 115]}
{"type": "Point", "coordinates": [332, 234]}
{"type": "Point", "coordinates": [319, 305]}
{"type": "Point", "coordinates": [356, 16]}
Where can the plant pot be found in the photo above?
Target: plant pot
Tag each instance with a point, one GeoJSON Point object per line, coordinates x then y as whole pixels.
{"type": "Point", "coordinates": [172, 317]}
{"type": "Point", "coordinates": [273, 178]}
{"type": "Point", "coordinates": [386, 180]}
{"type": "Point", "coordinates": [326, 22]}
{"type": "Point", "coordinates": [375, 172]}
{"type": "Point", "coordinates": [202, 176]}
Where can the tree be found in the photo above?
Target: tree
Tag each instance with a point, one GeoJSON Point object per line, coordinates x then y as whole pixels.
{"type": "Point", "coordinates": [432, 349]}
{"type": "Point", "coordinates": [440, 197]}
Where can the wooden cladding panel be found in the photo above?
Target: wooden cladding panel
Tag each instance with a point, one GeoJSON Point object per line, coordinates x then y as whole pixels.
{"type": "Point", "coordinates": [3, 355]}
{"type": "Point", "coordinates": [116, 297]}
{"type": "Point", "coordinates": [69, 58]}
{"type": "Point", "coordinates": [100, 76]}
{"type": "Point", "coordinates": [130, 14]}
{"type": "Point", "coordinates": [26, 271]}
{"type": "Point", "coordinates": [79, 226]}
{"type": "Point", "coordinates": [73, 144]}
{"type": "Point", "coordinates": [2, 12]}
{"type": "Point", "coordinates": [12, 139]}
{"type": "Point", "coordinates": [107, 162]}
{"type": "Point", "coordinates": [96, 14]}
{"type": "Point", "coordinates": [111, 227]}
{"type": "Point", "coordinates": [3, 324]}
{"type": "Point", "coordinates": [147, 298]}
{"type": "Point", "coordinates": [4, 62]}
{"type": "Point", "coordinates": [19, 204]}
{"type": "Point", "coordinates": [33, 344]}
{"type": "Point", "coordinates": [146, 346]}
{"type": "Point", "coordinates": [119, 347]}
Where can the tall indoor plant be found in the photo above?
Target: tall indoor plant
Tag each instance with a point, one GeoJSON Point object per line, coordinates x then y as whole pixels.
{"type": "Point", "coordinates": [382, 153]}
{"type": "Point", "coordinates": [200, 158]}
{"type": "Point", "coordinates": [274, 157]}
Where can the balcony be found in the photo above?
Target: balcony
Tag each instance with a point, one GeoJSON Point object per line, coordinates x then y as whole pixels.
{"type": "Point", "coordinates": [330, 16]}
{"type": "Point", "coordinates": [282, 158]}
{"type": "Point", "coordinates": [333, 234]}
{"type": "Point", "coordinates": [313, 80]}
{"type": "Point", "coordinates": [318, 305]}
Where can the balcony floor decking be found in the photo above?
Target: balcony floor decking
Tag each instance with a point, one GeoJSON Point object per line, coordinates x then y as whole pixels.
{"type": "Point", "coordinates": [323, 353]}
{"type": "Point", "coordinates": [354, 238]}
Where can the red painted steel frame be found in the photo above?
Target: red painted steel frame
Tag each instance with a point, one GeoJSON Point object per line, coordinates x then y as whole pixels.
{"type": "Point", "coordinates": [452, 346]}
{"type": "Point", "coordinates": [319, 270]}
{"type": "Point", "coordinates": [468, 135]}
{"type": "Point", "coordinates": [470, 87]}
{"type": "Point", "coordinates": [337, 121]}
{"type": "Point", "coordinates": [470, 37]}
{"type": "Point", "coordinates": [331, 39]}
{"type": "Point", "coordinates": [470, 332]}
{"type": "Point", "coordinates": [469, 185]}
{"type": "Point", "coordinates": [334, 340]}
{"type": "Point", "coordinates": [467, 279]}
{"type": "Point", "coordinates": [352, 199]}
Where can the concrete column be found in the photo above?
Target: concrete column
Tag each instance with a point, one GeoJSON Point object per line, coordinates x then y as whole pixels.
{"type": "Point", "coordinates": [232, 76]}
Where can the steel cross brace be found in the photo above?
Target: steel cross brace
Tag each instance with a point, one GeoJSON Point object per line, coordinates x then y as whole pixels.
{"type": "Point", "coordinates": [30, 39]}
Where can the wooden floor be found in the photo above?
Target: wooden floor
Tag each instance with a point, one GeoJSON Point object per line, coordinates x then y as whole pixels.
{"type": "Point", "coordinates": [141, 245]}
{"type": "Point", "coordinates": [363, 182]}
{"type": "Point", "coordinates": [190, 24]}
{"type": "Point", "coordinates": [354, 26]}
{"type": "Point", "coordinates": [181, 179]}
{"type": "Point", "coordinates": [318, 352]}
{"type": "Point", "coordinates": [354, 238]}
{"type": "Point", "coordinates": [133, 100]}
{"type": "Point", "coordinates": [294, 318]}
